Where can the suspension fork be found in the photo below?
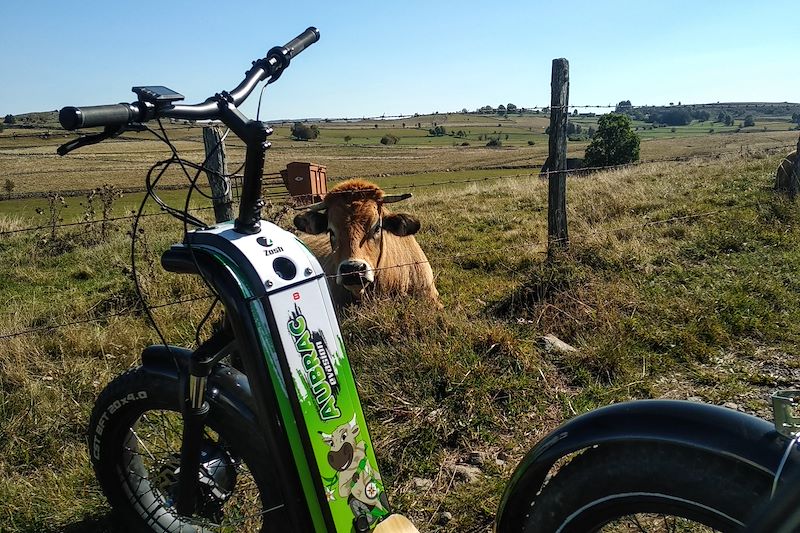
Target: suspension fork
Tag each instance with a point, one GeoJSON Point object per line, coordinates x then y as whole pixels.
{"type": "Point", "coordinates": [195, 410]}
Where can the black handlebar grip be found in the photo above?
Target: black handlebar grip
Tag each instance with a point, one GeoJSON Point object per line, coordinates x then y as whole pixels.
{"type": "Point", "coordinates": [302, 41]}
{"type": "Point", "coordinates": [100, 115]}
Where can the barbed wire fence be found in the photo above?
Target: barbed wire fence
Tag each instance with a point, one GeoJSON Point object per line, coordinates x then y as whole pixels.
{"type": "Point", "coordinates": [529, 247]}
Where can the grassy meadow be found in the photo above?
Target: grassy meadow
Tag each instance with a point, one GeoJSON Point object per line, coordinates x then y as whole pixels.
{"type": "Point", "coordinates": [680, 281]}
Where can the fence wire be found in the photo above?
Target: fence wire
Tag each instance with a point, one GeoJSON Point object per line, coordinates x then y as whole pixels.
{"type": "Point", "coordinates": [531, 248]}
{"type": "Point", "coordinates": [298, 200]}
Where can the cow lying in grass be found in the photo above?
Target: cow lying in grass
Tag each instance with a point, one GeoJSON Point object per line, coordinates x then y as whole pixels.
{"type": "Point", "coordinates": [371, 249]}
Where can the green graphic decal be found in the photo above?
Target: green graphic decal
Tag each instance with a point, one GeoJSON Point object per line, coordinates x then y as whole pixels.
{"type": "Point", "coordinates": [318, 370]}
{"type": "Point", "coordinates": [332, 415]}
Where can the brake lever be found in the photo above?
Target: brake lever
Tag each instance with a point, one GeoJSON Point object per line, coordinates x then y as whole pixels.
{"type": "Point", "coordinates": [108, 133]}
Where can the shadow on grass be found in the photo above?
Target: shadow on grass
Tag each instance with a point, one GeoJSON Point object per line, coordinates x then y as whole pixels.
{"type": "Point", "coordinates": [104, 523]}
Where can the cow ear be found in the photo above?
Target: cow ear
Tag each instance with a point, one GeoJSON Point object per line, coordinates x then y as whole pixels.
{"type": "Point", "coordinates": [401, 224]}
{"type": "Point", "coordinates": [312, 222]}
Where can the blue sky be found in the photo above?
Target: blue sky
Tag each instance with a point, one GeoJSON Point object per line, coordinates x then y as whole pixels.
{"type": "Point", "coordinates": [400, 57]}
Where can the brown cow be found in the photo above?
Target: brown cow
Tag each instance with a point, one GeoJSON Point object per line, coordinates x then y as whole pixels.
{"type": "Point", "coordinates": [370, 247]}
{"type": "Point", "coordinates": [784, 171]}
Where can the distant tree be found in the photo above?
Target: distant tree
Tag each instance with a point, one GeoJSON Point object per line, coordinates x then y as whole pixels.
{"type": "Point", "coordinates": [623, 107]}
{"type": "Point", "coordinates": [9, 187]}
{"type": "Point", "coordinates": [438, 131]}
{"type": "Point", "coordinates": [678, 116]}
{"type": "Point", "coordinates": [9, 119]}
{"type": "Point", "coordinates": [574, 112]}
{"type": "Point", "coordinates": [531, 143]}
{"type": "Point", "coordinates": [303, 132]}
{"type": "Point", "coordinates": [796, 118]}
{"type": "Point", "coordinates": [511, 108]}
{"type": "Point", "coordinates": [501, 109]}
{"type": "Point", "coordinates": [614, 143]}
{"type": "Point", "coordinates": [591, 131]}
{"type": "Point", "coordinates": [749, 121]}
{"type": "Point", "coordinates": [347, 138]}
{"type": "Point", "coordinates": [389, 139]}
{"type": "Point", "coordinates": [728, 119]}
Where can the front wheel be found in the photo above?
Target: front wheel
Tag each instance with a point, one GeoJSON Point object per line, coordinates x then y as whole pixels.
{"type": "Point", "coordinates": [647, 486]}
{"type": "Point", "coordinates": [135, 441]}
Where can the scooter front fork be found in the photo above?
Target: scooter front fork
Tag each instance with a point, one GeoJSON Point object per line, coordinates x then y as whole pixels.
{"type": "Point", "coordinates": [194, 419]}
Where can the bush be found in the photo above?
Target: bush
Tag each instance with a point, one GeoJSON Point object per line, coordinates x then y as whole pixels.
{"type": "Point", "coordinates": [614, 143]}
{"type": "Point", "coordinates": [389, 139]}
{"type": "Point", "coordinates": [303, 132]}
{"type": "Point", "coordinates": [494, 142]}
{"type": "Point", "coordinates": [749, 121]}
{"type": "Point", "coordinates": [531, 143]}
{"type": "Point", "coordinates": [347, 138]}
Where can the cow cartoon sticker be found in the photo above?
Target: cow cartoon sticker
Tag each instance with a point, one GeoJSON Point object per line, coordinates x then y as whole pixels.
{"type": "Point", "coordinates": [354, 479]}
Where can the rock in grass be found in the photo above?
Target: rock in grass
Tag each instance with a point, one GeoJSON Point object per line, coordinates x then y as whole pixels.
{"type": "Point", "coordinates": [551, 343]}
{"type": "Point", "coordinates": [468, 473]}
{"type": "Point", "coordinates": [422, 483]}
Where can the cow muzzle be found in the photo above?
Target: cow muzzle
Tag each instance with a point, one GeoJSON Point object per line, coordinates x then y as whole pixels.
{"type": "Point", "coordinates": [342, 458]}
{"type": "Point", "coordinates": [355, 275]}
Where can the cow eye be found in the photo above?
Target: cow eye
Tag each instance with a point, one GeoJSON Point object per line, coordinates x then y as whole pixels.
{"type": "Point", "coordinates": [333, 239]}
{"type": "Point", "coordinates": [376, 230]}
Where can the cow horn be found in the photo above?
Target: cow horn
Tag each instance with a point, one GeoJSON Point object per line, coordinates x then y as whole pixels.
{"type": "Point", "coordinates": [392, 198]}
{"type": "Point", "coordinates": [325, 435]}
{"type": "Point", "coordinates": [319, 206]}
{"type": "Point", "coordinates": [353, 421]}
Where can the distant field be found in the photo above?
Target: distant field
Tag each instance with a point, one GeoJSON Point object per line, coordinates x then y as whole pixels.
{"type": "Point", "coordinates": [29, 160]}
{"type": "Point", "coordinates": [680, 282]}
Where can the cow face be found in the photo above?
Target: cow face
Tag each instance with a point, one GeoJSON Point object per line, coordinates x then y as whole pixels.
{"type": "Point", "coordinates": [343, 444]}
{"type": "Point", "coordinates": [355, 219]}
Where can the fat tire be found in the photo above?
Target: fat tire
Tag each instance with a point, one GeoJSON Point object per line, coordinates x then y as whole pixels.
{"type": "Point", "coordinates": [604, 483]}
{"type": "Point", "coordinates": [124, 400]}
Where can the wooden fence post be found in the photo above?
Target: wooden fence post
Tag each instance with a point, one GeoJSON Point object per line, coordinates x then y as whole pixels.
{"type": "Point", "coordinates": [557, 181]}
{"type": "Point", "coordinates": [217, 172]}
{"type": "Point", "coordinates": [794, 173]}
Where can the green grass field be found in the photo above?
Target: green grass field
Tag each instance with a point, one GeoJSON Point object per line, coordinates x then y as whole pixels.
{"type": "Point", "coordinates": [680, 282]}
